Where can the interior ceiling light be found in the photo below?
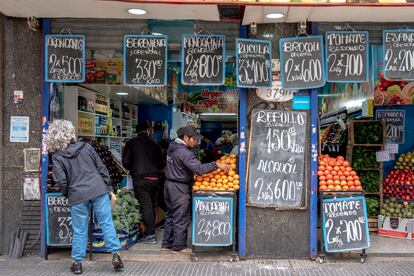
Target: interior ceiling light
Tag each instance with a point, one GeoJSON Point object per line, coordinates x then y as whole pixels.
{"type": "Point", "coordinates": [122, 93]}
{"type": "Point", "coordinates": [274, 15]}
{"type": "Point", "coordinates": [137, 11]}
{"type": "Point", "coordinates": [156, 33]}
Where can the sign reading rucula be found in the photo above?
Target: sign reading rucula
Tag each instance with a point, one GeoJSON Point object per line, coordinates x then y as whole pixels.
{"type": "Point", "coordinates": [394, 124]}
{"type": "Point", "coordinates": [254, 63]}
{"type": "Point", "coordinates": [203, 59]}
{"type": "Point", "coordinates": [347, 56]}
{"type": "Point", "coordinates": [398, 54]}
{"type": "Point", "coordinates": [302, 64]}
{"type": "Point", "coordinates": [345, 224]}
{"type": "Point", "coordinates": [277, 158]}
{"type": "Point", "coordinates": [65, 58]}
{"type": "Point", "coordinates": [212, 221]}
{"type": "Point", "coordinates": [58, 220]}
{"type": "Point", "coordinates": [145, 60]}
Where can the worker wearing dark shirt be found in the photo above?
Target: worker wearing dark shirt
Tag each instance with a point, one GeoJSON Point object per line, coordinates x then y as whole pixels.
{"type": "Point", "coordinates": [182, 164]}
{"type": "Point", "coordinates": [142, 157]}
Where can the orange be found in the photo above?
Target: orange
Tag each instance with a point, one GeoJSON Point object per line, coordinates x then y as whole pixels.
{"type": "Point", "coordinates": [230, 184]}
{"type": "Point", "coordinates": [205, 183]}
{"type": "Point", "coordinates": [233, 166]}
{"type": "Point", "coordinates": [236, 176]}
{"type": "Point", "coordinates": [202, 187]}
{"type": "Point", "coordinates": [199, 178]}
{"type": "Point", "coordinates": [209, 187]}
{"type": "Point", "coordinates": [236, 182]}
{"type": "Point", "coordinates": [219, 184]}
{"type": "Point", "coordinates": [225, 181]}
{"type": "Point", "coordinates": [230, 178]}
{"type": "Point", "coordinates": [213, 180]}
{"type": "Point", "coordinates": [233, 155]}
{"type": "Point", "coordinates": [223, 177]}
{"type": "Point", "coordinates": [232, 161]}
{"type": "Point", "coordinates": [222, 173]}
{"type": "Point", "coordinates": [225, 187]}
{"type": "Point", "coordinates": [206, 178]}
{"type": "Point", "coordinates": [219, 180]}
{"type": "Point", "coordinates": [236, 187]}
{"type": "Point", "coordinates": [196, 188]}
{"type": "Point", "coordinates": [197, 183]}
{"type": "Point", "coordinates": [231, 173]}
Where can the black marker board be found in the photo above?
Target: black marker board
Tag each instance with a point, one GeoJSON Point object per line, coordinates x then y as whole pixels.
{"type": "Point", "coordinates": [58, 220]}
{"type": "Point", "coordinates": [347, 56]}
{"type": "Point", "coordinates": [65, 58]}
{"type": "Point", "coordinates": [394, 124]}
{"type": "Point", "coordinates": [253, 63]}
{"type": "Point", "coordinates": [277, 158]}
{"type": "Point", "coordinates": [302, 63]}
{"type": "Point", "coordinates": [145, 60]}
{"type": "Point", "coordinates": [398, 54]}
{"type": "Point", "coordinates": [345, 224]}
{"type": "Point", "coordinates": [212, 221]}
{"type": "Point", "coordinates": [203, 59]}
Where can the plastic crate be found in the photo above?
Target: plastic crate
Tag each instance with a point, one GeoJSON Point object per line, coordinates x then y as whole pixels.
{"type": "Point", "coordinates": [127, 240]}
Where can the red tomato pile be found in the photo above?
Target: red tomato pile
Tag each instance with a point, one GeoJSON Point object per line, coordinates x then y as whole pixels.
{"type": "Point", "coordinates": [336, 174]}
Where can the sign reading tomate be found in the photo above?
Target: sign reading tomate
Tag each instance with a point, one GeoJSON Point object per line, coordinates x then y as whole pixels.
{"type": "Point", "coordinates": [302, 62]}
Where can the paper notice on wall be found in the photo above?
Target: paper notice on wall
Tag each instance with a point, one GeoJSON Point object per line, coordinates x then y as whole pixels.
{"type": "Point", "coordinates": [383, 156]}
{"type": "Point", "coordinates": [31, 188]}
{"type": "Point", "coordinates": [19, 129]}
{"type": "Point", "coordinates": [391, 147]}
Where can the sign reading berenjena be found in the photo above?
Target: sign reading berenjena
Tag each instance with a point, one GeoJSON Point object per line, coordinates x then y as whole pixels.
{"type": "Point", "coordinates": [145, 60]}
{"type": "Point", "coordinates": [302, 64]}
{"type": "Point", "coordinates": [254, 63]}
{"type": "Point", "coordinates": [346, 56]}
{"type": "Point", "coordinates": [398, 54]}
{"type": "Point", "coordinates": [203, 59]}
{"type": "Point", "coordinates": [65, 58]}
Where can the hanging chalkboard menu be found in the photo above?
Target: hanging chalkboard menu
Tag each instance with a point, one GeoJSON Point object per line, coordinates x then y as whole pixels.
{"type": "Point", "coordinates": [145, 60]}
{"type": "Point", "coordinates": [277, 158]}
{"type": "Point", "coordinates": [253, 63]}
{"type": "Point", "coordinates": [345, 224]}
{"type": "Point", "coordinates": [301, 62]}
{"type": "Point", "coordinates": [203, 59]}
{"type": "Point", "coordinates": [394, 124]}
{"type": "Point", "coordinates": [58, 220]}
{"type": "Point", "coordinates": [65, 58]}
{"type": "Point", "coordinates": [212, 221]}
{"type": "Point", "coordinates": [398, 54]}
{"type": "Point", "coordinates": [347, 56]}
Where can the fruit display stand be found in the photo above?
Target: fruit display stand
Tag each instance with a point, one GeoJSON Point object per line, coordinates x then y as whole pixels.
{"type": "Point", "coordinates": [365, 138]}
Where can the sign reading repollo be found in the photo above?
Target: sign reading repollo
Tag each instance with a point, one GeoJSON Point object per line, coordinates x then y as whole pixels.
{"type": "Point", "coordinates": [347, 56]}
{"type": "Point", "coordinates": [345, 225]}
{"type": "Point", "coordinates": [277, 158]}
{"type": "Point", "coordinates": [302, 62]}
{"type": "Point", "coordinates": [398, 54]}
{"type": "Point", "coordinates": [145, 60]}
{"type": "Point", "coordinates": [254, 63]}
{"type": "Point", "coordinates": [65, 58]}
{"type": "Point", "coordinates": [203, 59]}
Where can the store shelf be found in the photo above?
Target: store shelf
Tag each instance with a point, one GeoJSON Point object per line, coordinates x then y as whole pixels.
{"type": "Point", "coordinates": [100, 115]}
{"type": "Point", "coordinates": [86, 112]}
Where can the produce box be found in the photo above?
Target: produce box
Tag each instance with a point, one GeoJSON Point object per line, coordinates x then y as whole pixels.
{"type": "Point", "coordinates": [127, 240]}
{"type": "Point", "coordinates": [396, 227]}
{"type": "Point", "coordinates": [366, 132]}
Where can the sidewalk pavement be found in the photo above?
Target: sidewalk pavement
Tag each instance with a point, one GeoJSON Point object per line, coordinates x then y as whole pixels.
{"type": "Point", "coordinates": [33, 266]}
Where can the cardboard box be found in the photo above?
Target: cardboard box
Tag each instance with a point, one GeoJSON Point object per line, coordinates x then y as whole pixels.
{"type": "Point", "coordinates": [396, 227]}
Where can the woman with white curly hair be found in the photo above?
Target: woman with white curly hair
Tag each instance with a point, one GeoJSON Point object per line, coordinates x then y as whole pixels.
{"type": "Point", "coordinates": [84, 180]}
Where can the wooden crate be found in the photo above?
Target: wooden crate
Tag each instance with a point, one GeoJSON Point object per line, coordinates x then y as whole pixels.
{"type": "Point", "coordinates": [373, 224]}
{"type": "Point", "coordinates": [351, 131]}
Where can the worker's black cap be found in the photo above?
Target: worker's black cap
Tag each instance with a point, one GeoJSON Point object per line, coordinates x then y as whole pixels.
{"type": "Point", "coordinates": [190, 131]}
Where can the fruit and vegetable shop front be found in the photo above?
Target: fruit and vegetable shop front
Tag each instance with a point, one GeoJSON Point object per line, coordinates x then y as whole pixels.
{"type": "Point", "coordinates": [323, 158]}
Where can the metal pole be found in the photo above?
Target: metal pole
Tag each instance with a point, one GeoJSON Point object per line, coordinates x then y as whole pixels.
{"type": "Point", "coordinates": [313, 231]}
{"type": "Point", "coordinates": [45, 157]}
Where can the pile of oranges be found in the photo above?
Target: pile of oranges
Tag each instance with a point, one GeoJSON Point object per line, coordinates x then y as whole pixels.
{"type": "Point", "coordinates": [219, 180]}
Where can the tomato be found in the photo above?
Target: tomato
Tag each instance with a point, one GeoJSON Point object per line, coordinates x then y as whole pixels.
{"type": "Point", "coordinates": [320, 173]}
{"type": "Point", "coordinates": [352, 188]}
{"type": "Point", "coordinates": [322, 163]}
{"type": "Point", "coordinates": [340, 158]}
{"type": "Point", "coordinates": [341, 172]}
{"type": "Point", "coordinates": [337, 182]}
{"type": "Point", "coordinates": [334, 172]}
{"type": "Point", "coordinates": [331, 187]}
{"type": "Point", "coordinates": [323, 188]}
{"type": "Point", "coordinates": [358, 187]}
{"type": "Point", "coordinates": [349, 178]}
{"type": "Point", "coordinates": [349, 169]}
{"type": "Point", "coordinates": [329, 182]}
{"type": "Point", "coordinates": [346, 163]}
{"type": "Point", "coordinates": [327, 172]}
{"type": "Point", "coordinates": [356, 177]}
{"type": "Point", "coordinates": [353, 173]}
{"type": "Point", "coordinates": [336, 168]}
{"type": "Point", "coordinates": [346, 173]}
{"type": "Point", "coordinates": [351, 183]}
{"type": "Point", "coordinates": [344, 183]}
{"type": "Point", "coordinates": [342, 177]}
{"type": "Point", "coordinates": [322, 168]}
{"type": "Point", "coordinates": [338, 188]}
{"type": "Point", "coordinates": [357, 182]}
{"type": "Point", "coordinates": [332, 163]}
{"type": "Point", "coordinates": [328, 176]}
{"type": "Point", "coordinates": [339, 163]}
{"type": "Point", "coordinates": [323, 182]}
{"type": "Point", "coordinates": [328, 168]}
{"type": "Point", "coordinates": [335, 177]}
{"type": "Point", "coordinates": [322, 177]}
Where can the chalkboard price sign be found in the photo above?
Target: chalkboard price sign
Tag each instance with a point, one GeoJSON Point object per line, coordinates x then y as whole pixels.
{"type": "Point", "coordinates": [277, 158]}
{"type": "Point", "coordinates": [203, 59]}
{"type": "Point", "coordinates": [394, 124]}
{"type": "Point", "coordinates": [398, 54]}
{"type": "Point", "coordinates": [302, 62]}
{"type": "Point", "coordinates": [145, 60]}
{"type": "Point", "coordinates": [58, 220]}
{"type": "Point", "coordinates": [212, 221]}
{"type": "Point", "coordinates": [254, 63]}
{"type": "Point", "coordinates": [345, 224]}
{"type": "Point", "coordinates": [347, 56]}
{"type": "Point", "coordinates": [65, 58]}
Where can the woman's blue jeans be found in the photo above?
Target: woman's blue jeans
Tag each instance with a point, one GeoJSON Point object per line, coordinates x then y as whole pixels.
{"type": "Point", "coordinates": [80, 225]}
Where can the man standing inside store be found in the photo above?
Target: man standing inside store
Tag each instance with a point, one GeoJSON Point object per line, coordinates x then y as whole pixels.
{"type": "Point", "coordinates": [182, 164]}
{"type": "Point", "coordinates": [142, 157]}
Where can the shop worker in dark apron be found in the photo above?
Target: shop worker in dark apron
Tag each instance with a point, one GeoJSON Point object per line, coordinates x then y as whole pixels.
{"type": "Point", "coordinates": [142, 157]}
{"type": "Point", "coordinates": [182, 164]}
